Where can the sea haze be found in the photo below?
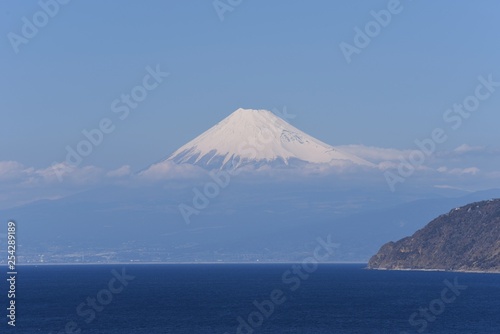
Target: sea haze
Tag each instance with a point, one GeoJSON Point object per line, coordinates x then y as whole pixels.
{"type": "Point", "coordinates": [267, 221]}
{"type": "Point", "coordinates": [210, 298]}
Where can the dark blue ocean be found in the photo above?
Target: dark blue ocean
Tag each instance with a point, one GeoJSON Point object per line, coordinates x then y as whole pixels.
{"type": "Point", "coordinates": [251, 298]}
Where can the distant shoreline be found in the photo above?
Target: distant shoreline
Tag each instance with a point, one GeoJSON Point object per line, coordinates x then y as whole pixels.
{"type": "Point", "coordinates": [174, 263]}
{"type": "Point", "coordinates": [250, 263]}
{"type": "Point", "coordinates": [440, 270]}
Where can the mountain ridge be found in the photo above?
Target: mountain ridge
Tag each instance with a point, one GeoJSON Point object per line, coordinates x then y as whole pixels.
{"type": "Point", "coordinates": [465, 239]}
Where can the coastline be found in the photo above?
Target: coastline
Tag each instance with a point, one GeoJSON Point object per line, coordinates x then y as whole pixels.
{"type": "Point", "coordinates": [438, 270]}
{"type": "Point", "coordinates": [178, 263]}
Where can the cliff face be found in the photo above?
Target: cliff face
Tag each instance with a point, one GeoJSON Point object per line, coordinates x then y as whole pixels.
{"type": "Point", "coordinates": [466, 238]}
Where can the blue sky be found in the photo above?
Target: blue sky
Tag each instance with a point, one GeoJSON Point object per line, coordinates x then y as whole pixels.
{"type": "Point", "coordinates": [264, 54]}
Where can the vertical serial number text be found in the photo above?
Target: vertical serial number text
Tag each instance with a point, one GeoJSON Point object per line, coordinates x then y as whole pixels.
{"type": "Point", "coordinates": [11, 273]}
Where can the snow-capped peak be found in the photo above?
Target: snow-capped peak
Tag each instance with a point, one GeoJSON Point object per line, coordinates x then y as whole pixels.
{"type": "Point", "coordinates": [259, 137]}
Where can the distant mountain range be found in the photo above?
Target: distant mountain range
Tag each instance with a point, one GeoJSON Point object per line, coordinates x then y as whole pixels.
{"type": "Point", "coordinates": [465, 239]}
{"type": "Point", "coordinates": [250, 221]}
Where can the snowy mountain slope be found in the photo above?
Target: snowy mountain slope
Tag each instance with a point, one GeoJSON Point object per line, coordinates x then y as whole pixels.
{"type": "Point", "coordinates": [258, 137]}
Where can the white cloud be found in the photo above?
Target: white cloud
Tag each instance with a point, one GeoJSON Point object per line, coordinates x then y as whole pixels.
{"type": "Point", "coordinates": [169, 170]}
{"type": "Point", "coordinates": [459, 171]}
{"type": "Point", "coordinates": [442, 169]}
{"type": "Point", "coordinates": [120, 172]}
{"type": "Point", "coordinates": [12, 170]}
{"type": "Point", "coordinates": [446, 186]}
{"type": "Point", "coordinates": [66, 173]}
{"type": "Point", "coordinates": [63, 174]}
{"type": "Point", "coordinates": [20, 184]}
{"type": "Point", "coordinates": [375, 154]}
{"type": "Point", "coordinates": [462, 149]}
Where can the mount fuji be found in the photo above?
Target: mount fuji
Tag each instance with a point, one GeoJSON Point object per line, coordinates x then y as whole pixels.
{"type": "Point", "coordinates": [258, 138]}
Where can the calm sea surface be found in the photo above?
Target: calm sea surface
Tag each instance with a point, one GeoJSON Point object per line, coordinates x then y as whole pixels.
{"type": "Point", "coordinates": [248, 298]}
